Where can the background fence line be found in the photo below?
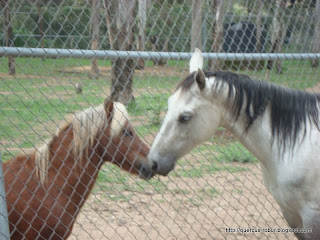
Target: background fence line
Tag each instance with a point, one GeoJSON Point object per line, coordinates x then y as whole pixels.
{"type": "Point", "coordinates": [146, 55]}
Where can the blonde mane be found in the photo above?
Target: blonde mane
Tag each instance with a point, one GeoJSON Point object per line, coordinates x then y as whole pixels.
{"type": "Point", "coordinates": [86, 125]}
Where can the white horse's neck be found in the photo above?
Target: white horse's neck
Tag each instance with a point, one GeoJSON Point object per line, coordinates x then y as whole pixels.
{"type": "Point", "coordinates": [257, 139]}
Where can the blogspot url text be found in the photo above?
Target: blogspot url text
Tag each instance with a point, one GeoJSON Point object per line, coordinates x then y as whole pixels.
{"type": "Point", "coordinates": [268, 230]}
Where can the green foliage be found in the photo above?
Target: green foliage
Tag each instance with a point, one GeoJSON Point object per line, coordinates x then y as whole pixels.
{"type": "Point", "coordinates": [65, 27]}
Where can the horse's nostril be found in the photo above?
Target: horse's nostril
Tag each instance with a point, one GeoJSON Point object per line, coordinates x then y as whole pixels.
{"type": "Point", "coordinates": [154, 166]}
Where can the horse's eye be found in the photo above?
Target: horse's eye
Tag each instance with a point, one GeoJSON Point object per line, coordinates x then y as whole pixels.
{"type": "Point", "coordinates": [127, 133]}
{"type": "Point", "coordinates": [185, 117]}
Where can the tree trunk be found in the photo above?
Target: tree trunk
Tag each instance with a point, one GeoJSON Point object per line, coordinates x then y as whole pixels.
{"type": "Point", "coordinates": [40, 23]}
{"type": "Point", "coordinates": [159, 41]}
{"type": "Point", "coordinates": [196, 28]}
{"type": "Point", "coordinates": [123, 69]}
{"type": "Point", "coordinates": [277, 35]}
{"type": "Point", "coordinates": [8, 36]}
{"type": "Point", "coordinates": [110, 25]}
{"type": "Point", "coordinates": [259, 7]}
{"type": "Point", "coordinates": [95, 20]}
{"type": "Point", "coordinates": [218, 8]}
{"type": "Point", "coordinates": [316, 36]}
{"type": "Point", "coordinates": [142, 22]}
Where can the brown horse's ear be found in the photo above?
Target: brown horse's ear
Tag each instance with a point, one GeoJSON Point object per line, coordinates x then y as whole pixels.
{"type": "Point", "coordinates": [200, 79]}
{"type": "Point", "coordinates": [108, 106]}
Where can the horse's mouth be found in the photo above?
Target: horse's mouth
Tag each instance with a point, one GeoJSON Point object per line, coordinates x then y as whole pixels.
{"type": "Point", "coordinates": [164, 171]}
{"type": "Point", "coordinates": [165, 167]}
{"type": "Point", "coordinates": [146, 172]}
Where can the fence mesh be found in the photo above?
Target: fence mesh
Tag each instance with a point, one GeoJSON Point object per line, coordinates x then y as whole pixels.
{"type": "Point", "coordinates": [215, 190]}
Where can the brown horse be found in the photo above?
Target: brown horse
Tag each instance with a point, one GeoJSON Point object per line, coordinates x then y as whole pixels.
{"type": "Point", "coordinates": [46, 189]}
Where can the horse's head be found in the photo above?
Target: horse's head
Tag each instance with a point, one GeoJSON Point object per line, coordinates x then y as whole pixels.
{"type": "Point", "coordinates": [121, 145]}
{"type": "Point", "coordinates": [192, 118]}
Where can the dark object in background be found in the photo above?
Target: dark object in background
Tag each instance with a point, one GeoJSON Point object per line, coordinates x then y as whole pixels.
{"type": "Point", "coordinates": [241, 37]}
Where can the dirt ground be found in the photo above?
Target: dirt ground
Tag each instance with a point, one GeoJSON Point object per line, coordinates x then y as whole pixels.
{"type": "Point", "coordinates": [183, 211]}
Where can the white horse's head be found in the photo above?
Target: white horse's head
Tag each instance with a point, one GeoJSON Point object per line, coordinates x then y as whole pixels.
{"type": "Point", "coordinates": [191, 119]}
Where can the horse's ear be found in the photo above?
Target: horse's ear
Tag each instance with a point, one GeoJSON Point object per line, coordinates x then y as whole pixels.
{"type": "Point", "coordinates": [200, 79]}
{"type": "Point", "coordinates": [196, 61]}
{"type": "Point", "coordinates": [108, 106]}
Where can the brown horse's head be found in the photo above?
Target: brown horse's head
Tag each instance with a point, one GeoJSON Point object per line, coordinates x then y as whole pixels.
{"type": "Point", "coordinates": [120, 144]}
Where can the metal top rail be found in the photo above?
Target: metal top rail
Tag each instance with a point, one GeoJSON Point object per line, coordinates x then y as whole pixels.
{"type": "Point", "coordinates": [108, 54]}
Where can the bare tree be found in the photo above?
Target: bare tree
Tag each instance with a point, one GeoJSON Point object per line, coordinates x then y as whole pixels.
{"type": "Point", "coordinates": [258, 49]}
{"type": "Point", "coordinates": [95, 20]}
{"type": "Point", "coordinates": [142, 22]}
{"type": "Point", "coordinates": [122, 69]}
{"type": "Point", "coordinates": [8, 32]}
{"type": "Point", "coordinates": [316, 36]}
{"type": "Point", "coordinates": [159, 41]}
{"type": "Point", "coordinates": [109, 6]}
{"type": "Point", "coordinates": [218, 10]}
{"type": "Point", "coordinates": [277, 35]}
{"type": "Point", "coordinates": [196, 28]}
{"type": "Point", "coordinates": [40, 22]}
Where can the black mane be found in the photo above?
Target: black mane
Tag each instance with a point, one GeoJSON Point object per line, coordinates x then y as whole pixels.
{"type": "Point", "coordinates": [290, 109]}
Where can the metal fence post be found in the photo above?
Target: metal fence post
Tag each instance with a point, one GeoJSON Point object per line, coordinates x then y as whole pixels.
{"type": "Point", "coordinates": [4, 225]}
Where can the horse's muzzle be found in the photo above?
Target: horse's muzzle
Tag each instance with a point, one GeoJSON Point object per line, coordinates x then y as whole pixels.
{"type": "Point", "coordinates": [163, 167]}
{"type": "Point", "coordinates": [146, 172]}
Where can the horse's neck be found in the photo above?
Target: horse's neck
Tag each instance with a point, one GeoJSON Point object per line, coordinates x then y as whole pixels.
{"type": "Point", "coordinates": [257, 139]}
{"type": "Point", "coordinates": [80, 175]}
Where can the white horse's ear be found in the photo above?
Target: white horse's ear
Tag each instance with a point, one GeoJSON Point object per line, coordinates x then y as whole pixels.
{"type": "Point", "coordinates": [200, 79]}
{"type": "Point", "coordinates": [196, 61]}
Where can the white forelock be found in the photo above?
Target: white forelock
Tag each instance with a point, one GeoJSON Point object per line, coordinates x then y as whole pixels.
{"type": "Point", "coordinates": [120, 117]}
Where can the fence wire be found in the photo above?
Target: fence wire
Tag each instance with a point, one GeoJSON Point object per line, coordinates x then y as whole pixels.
{"type": "Point", "coordinates": [59, 58]}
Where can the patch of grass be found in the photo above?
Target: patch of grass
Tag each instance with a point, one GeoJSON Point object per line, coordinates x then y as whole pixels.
{"type": "Point", "coordinates": [48, 66]}
{"type": "Point", "coordinates": [296, 74]}
{"type": "Point", "coordinates": [146, 129]}
{"type": "Point", "coordinates": [114, 181]}
{"type": "Point", "coordinates": [118, 198]}
{"type": "Point", "coordinates": [180, 191]}
{"type": "Point", "coordinates": [148, 102]}
{"type": "Point", "coordinates": [228, 152]}
{"type": "Point", "coordinates": [150, 83]}
{"type": "Point", "coordinates": [200, 170]}
{"type": "Point", "coordinates": [195, 201]}
{"type": "Point", "coordinates": [235, 152]}
{"type": "Point", "coordinates": [210, 192]}
{"type": "Point", "coordinates": [238, 191]}
{"type": "Point", "coordinates": [31, 109]}
{"type": "Point", "coordinates": [153, 184]}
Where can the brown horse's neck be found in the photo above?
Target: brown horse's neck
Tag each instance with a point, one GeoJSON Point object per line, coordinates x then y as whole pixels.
{"type": "Point", "coordinates": [69, 174]}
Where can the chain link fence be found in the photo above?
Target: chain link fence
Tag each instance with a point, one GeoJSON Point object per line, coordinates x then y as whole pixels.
{"type": "Point", "coordinates": [61, 57]}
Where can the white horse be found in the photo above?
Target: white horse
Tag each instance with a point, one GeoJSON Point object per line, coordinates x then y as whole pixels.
{"type": "Point", "coordinates": [280, 126]}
